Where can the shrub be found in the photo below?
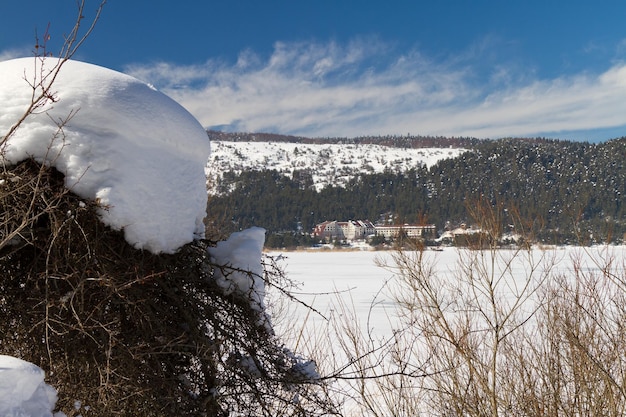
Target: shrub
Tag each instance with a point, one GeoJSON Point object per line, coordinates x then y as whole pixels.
{"type": "Point", "coordinates": [125, 331]}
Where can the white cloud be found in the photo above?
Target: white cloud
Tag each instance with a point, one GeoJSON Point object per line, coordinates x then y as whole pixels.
{"type": "Point", "coordinates": [360, 88]}
{"type": "Point", "coordinates": [14, 53]}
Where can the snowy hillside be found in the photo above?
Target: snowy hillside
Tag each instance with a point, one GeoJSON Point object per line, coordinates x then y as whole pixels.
{"type": "Point", "coordinates": [329, 163]}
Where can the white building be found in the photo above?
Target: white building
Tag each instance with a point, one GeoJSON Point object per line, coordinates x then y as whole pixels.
{"type": "Point", "coordinates": [410, 230]}
{"type": "Point", "coordinates": [362, 229]}
{"type": "Point", "coordinates": [350, 230]}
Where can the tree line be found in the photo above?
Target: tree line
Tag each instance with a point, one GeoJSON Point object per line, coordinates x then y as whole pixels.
{"type": "Point", "coordinates": [397, 141]}
{"type": "Point", "coordinates": [569, 191]}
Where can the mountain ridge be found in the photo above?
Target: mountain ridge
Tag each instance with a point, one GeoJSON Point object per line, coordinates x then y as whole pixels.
{"type": "Point", "coordinates": [408, 141]}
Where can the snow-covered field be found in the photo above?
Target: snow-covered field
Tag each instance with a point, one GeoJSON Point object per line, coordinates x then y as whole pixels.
{"type": "Point", "coordinates": [354, 278]}
{"type": "Point", "coordinates": [351, 289]}
{"type": "Point", "coordinates": [327, 280]}
{"type": "Point", "coordinates": [329, 164]}
{"type": "Point", "coordinates": [329, 277]}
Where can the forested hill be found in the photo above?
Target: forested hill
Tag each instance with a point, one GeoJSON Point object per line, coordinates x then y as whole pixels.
{"type": "Point", "coordinates": [408, 141]}
{"type": "Point", "coordinates": [566, 189]}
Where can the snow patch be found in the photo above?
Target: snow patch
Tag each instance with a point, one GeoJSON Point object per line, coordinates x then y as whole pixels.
{"type": "Point", "coordinates": [130, 147]}
{"type": "Point", "coordinates": [23, 392]}
{"type": "Point", "coordinates": [242, 271]}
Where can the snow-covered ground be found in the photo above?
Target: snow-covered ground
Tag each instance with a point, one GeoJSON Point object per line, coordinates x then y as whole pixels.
{"type": "Point", "coordinates": [328, 279]}
{"type": "Point", "coordinates": [329, 163]}
{"type": "Point", "coordinates": [355, 278]}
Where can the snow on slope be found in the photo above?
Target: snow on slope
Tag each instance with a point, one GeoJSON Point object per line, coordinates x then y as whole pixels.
{"type": "Point", "coordinates": [131, 147]}
{"type": "Point", "coordinates": [329, 163]}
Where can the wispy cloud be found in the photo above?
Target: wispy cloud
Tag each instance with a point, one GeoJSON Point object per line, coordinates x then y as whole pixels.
{"type": "Point", "coordinates": [361, 88]}
{"type": "Point", "coordinates": [14, 53]}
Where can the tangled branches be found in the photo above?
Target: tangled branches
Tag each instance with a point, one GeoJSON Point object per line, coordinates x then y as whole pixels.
{"type": "Point", "coordinates": [127, 332]}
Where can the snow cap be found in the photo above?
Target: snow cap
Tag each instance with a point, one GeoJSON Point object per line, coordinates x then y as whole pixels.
{"type": "Point", "coordinates": [135, 150]}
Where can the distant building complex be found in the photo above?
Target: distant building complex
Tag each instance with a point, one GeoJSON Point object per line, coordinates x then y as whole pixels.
{"type": "Point", "coordinates": [364, 229]}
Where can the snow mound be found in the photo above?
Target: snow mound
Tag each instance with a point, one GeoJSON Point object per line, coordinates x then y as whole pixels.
{"type": "Point", "coordinates": [131, 148]}
{"type": "Point", "coordinates": [23, 392]}
{"type": "Point", "coordinates": [241, 255]}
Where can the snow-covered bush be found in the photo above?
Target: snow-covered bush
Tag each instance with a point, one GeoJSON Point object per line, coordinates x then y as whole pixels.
{"type": "Point", "coordinates": [116, 140]}
{"type": "Point", "coordinates": [106, 282]}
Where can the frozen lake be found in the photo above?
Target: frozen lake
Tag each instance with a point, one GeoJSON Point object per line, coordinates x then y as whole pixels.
{"type": "Point", "coordinates": [352, 277]}
{"type": "Point", "coordinates": [351, 286]}
{"type": "Point", "coordinates": [335, 281]}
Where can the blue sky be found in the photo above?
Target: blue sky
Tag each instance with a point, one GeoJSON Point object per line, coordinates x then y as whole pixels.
{"type": "Point", "coordinates": [348, 68]}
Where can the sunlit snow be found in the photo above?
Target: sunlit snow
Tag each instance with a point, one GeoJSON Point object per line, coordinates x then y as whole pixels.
{"type": "Point", "coordinates": [135, 150]}
{"type": "Point", "coordinates": [329, 164]}
{"type": "Point", "coordinates": [242, 272]}
{"type": "Point", "coordinates": [23, 392]}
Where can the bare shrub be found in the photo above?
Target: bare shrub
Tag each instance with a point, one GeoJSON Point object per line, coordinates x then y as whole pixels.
{"type": "Point", "coordinates": [575, 356]}
{"type": "Point", "coordinates": [128, 332]}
